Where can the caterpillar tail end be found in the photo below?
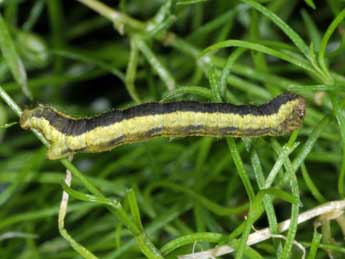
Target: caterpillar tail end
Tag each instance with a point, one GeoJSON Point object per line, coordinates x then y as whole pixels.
{"type": "Point", "coordinates": [25, 119]}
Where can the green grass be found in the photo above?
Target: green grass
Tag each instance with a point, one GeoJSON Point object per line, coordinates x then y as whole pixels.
{"type": "Point", "coordinates": [166, 198]}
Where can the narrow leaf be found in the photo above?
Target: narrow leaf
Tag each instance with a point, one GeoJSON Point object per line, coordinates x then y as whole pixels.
{"type": "Point", "coordinates": [293, 59]}
{"type": "Point", "coordinates": [331, 28]}
{"type": "Point", "coordinates": [12, 58]}
{"type": "Point", "coordinates": [296, 39]}
{"type": "Point", "coordinates": [310, 3]}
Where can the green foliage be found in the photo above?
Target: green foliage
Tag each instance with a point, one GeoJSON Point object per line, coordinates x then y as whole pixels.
{"type": "Point", "coordinates": [165, 198]}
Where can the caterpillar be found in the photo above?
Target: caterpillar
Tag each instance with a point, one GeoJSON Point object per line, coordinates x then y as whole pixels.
{"type": "Point", "coordinates": [68, 135]}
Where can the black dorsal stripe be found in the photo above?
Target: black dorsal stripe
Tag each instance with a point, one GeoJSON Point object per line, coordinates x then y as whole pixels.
{"type": "Point", "coordinates": [75, 127]}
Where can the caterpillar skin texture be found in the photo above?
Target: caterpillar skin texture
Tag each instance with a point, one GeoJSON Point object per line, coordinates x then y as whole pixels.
{"type": "Point", "coordinates": [68, 135]}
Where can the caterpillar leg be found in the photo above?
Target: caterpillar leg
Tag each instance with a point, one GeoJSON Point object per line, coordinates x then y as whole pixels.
{"type": "Point", "coordinates": [57, 152]}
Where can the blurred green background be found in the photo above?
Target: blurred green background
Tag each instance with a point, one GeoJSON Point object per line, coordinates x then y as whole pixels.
{"type": "Point", "coordinates": [168, 197]}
